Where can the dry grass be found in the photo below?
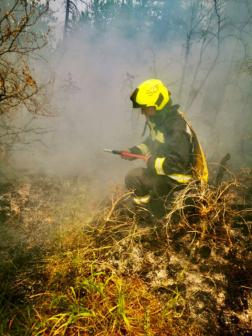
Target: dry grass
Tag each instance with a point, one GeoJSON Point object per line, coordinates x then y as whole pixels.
{"type": "Point", "coordinates": [76, 291]}
{"type": "Point", "coordinates": [206, 213]}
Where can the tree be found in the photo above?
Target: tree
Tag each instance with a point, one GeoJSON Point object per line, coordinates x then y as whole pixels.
{"type": "Point", "coordinates": [20, 43]}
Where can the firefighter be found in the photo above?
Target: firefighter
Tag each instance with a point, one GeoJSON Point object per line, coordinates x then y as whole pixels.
{"type": "Point", "coordinates": [173, 155]}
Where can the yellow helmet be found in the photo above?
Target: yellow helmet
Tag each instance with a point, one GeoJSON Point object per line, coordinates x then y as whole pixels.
{"type": "Point", "coordinates": [150, 93]}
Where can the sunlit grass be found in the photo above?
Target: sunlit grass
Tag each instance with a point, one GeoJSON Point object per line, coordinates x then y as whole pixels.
{"type": "Point", "coordinates": [84, 296]}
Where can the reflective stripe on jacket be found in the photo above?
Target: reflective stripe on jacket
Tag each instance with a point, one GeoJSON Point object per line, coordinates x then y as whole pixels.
{"type": "Point", "coordinates": [173, 146]}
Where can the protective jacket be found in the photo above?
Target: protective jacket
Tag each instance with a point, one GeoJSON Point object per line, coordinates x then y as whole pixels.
{"type": "Point", "coordinates": [171, 144]}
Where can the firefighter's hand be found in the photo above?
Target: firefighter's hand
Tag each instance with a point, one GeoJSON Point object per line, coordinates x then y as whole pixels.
{"type": "Point", "coordinates": [146, 159]}
{"type": "Point", "coordinates": [126, 157]}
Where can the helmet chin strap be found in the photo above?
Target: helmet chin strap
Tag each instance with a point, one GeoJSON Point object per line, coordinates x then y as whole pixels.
{"type": "Point", "coordinates": [153, 118]}
{"type": "Point", "coordinates": [145, 127]}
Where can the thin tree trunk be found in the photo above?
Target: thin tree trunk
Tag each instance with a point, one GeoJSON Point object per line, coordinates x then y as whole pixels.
{"type": "Point", "coordinates": [66, 20]}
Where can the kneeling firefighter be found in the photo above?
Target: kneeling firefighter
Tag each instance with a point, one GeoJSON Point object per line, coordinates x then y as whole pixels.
{"type": "Point", "coordinates": [172, 151]}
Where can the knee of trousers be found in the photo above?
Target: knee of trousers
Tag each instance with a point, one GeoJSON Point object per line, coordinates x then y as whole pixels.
{"type": "Point", "coordinates": [133, 178]}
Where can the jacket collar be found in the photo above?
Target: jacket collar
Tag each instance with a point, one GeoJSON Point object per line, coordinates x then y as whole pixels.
{"type": "Point", "coordinates": [163, 114]}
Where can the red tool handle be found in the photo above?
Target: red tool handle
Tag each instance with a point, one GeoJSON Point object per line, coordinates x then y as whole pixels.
{"type": "Point", "coordinates": [133, 155]}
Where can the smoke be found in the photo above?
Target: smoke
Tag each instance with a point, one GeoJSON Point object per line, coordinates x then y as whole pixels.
{"type": "Point", "coordinates": [91, 95]}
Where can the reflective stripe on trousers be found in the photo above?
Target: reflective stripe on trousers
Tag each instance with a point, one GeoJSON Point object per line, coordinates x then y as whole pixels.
{"type": "Point", "coordinates": [142, 200]}
{"type": "Point", "coordinates": [181, 178]}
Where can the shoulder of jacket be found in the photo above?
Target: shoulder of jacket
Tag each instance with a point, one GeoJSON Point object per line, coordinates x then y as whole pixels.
{"type": "Point", "coordinates": [175, 120]}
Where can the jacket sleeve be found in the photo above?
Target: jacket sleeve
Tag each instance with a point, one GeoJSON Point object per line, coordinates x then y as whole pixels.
{"type": "Point", "coordinates": [143, 148]}
{"type": "Point", "coordinates": [176, 157]}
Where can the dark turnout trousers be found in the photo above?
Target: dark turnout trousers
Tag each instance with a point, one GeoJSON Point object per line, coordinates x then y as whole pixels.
{"type": "Point", "coordinates": [143, 181]}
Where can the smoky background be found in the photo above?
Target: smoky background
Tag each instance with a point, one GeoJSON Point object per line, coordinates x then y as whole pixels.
{"type": "Point", "coordinates": [94, 74]}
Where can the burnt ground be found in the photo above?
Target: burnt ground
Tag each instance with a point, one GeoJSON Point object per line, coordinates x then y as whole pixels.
{"type": "Point", "coordinates": [198, 266]}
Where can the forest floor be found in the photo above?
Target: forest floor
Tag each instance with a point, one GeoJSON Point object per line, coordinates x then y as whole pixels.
{"type": "Point", "coordinates": [72, 263]}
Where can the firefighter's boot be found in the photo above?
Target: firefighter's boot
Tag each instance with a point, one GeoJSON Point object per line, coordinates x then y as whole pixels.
{"type": "Point", "coordinates": [144, 213]}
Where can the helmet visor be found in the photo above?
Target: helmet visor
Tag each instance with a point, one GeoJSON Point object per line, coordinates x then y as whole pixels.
{"type": "Point", "coordinates": [133, 99]}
